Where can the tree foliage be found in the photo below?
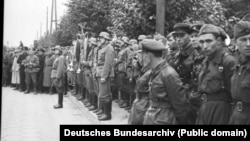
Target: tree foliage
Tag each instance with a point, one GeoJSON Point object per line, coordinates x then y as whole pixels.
{"type": "Point", "coordinates": [135, 17]}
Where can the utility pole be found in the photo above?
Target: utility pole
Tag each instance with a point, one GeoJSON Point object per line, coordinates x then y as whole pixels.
{"type": "Point", "coordinates": [160, 16]}
{"type": "Point", "coordinates": [52, 11]}
{"type": "Point", "coordinates": [47, 23]}
{"type": "Point", "coordinates": [40, 29]}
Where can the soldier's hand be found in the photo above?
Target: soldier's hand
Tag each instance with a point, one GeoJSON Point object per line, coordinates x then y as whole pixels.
{"type": "Point", "coordinates": [102, 80]}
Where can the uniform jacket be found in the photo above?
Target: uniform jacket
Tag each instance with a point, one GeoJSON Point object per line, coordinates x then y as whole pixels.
{"type": "Point", "coordinates": [20, 60]}
{"type": "Point", "coordinates": [5, 60]}
{"type": "Point", "coordinates": [105, 62]}
{"type": "Point", "coordinates": [186, 60]}
{"type": "Point", "coordinates": [31, 64]}
{"type": "Point", "coordinates": [41, 61]}
{"type": "Point", "coordinates": [59, 67]}
{"type": "Point", "coordinates": [122, 60]}
{"type": "Point", "coordinates": [216, 73]}
{"type": "Point", "coordinates": [241, 81]}
{"type": "Point", "coordinates": [167, 93]}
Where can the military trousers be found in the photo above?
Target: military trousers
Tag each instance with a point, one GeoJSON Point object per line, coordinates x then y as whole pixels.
{"type": "Point", "coordinates": [59, 84]}
{"type": "Point", "coordinates": [138, 111]}
{"type": "Point", "coordinates": [22, 79]}
{"type": "Point", "coordinates": [31, 76]}
{"type": "Point", "coordinates": [214, 113]}
{"type": "Point", "coordinates": [4, 76]}
{"type": "Point", "coordinates": [104, 93]}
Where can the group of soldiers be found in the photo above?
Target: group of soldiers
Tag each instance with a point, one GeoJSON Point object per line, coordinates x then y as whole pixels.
{"type": "Point", "coordinates": [190, 77]}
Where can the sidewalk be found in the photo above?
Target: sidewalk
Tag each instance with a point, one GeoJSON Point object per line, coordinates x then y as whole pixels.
{"type": "Point", "coordinates": [119, 115]}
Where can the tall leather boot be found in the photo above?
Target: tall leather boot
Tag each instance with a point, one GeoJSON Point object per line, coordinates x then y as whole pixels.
{"type": "Point", "coordinates": [89, 100]}
{"type": "Point", "coordinates": [17, 86]}
{"type": "Point", "coordinates": [98, 105]}
{"type": "Point", "coordinates": [93, 102]}
{"type": "Point", "coordinates": [27, 89]}
{"type": "Point", "coordinates": [79, 95]}
{"type": "Point", "coordinates": [107, 111]}
{"type": "Point", "coordinates": [86, 95]}
{"type": "Point", "coordinates": [101, 107]}
{"type": "Point", "coordinates": [60, 101]}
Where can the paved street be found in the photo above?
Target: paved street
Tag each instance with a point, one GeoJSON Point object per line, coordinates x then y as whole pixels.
{"type": "Point", "coordinates": [29, 117]}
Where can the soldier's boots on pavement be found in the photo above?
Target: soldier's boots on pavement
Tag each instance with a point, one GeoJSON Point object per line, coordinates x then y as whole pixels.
{"type": "Point", "coordinates": [27, 90]}
{"type": "Point", "coordinates": [107, 111]}
{"type": "Point", "coordinates": [101, 108]}
{"type": "Point", "coordinates": [124, 105]}
{"type": "Point", "coordinates": [93, 101]}
{"type": "Point", "coordinates": [17, 87]}
{"type": "Point", "coordinates": [60, 101]}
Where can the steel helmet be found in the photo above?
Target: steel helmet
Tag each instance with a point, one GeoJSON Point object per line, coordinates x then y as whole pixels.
{"type": "Point", "coordinates": [104, 35]}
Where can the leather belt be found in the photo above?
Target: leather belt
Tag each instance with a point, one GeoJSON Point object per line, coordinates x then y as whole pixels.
{"type": "Point", "coordinates": [242, 106]}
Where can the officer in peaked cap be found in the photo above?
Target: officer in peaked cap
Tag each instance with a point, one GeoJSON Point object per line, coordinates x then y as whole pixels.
{"type": "Point", "coordinates": [240, 80]}
{"type": "Point", "coordinates": [182, 28]}
{"type": "Point", "coordinates": [167, 95]}
{"type": "Point", "coordinates": [215, 93]}
{"type": "Point", "coordinates": [183, 62]}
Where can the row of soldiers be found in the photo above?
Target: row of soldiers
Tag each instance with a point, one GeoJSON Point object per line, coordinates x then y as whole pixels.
{"type": "Point", "coordinates": [197, 80]}
{"type": "Point", "coordinates": [190, 77]}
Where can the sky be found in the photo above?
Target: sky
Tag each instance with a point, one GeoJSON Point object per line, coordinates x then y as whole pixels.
{"type": "Point", "coordinates": [23, 19]}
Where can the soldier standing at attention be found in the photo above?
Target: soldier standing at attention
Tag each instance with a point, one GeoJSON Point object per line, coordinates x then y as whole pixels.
{"type": "Point", "coordinates": [31, 68]}
{"type": "Point", "coordinates": [168, 101]}
{"type": "Point", "coordinates": [185, 60]}
{"type": "Point", "coordinates": [59, 68]}
{"type": "Point", "coordinates": [214, 78]}
{"type": "Point", "coordinates": [240, 89]}
{"type": "Point", "coordinates": [104, 73]}
{"type": "Point", "coordinates": [22, 68]}
{"type": "Point", "coordinates": [141, 103]}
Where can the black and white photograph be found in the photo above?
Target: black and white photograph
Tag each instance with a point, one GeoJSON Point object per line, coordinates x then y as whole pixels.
{"type": "Point", "coordinates": [124, 62]}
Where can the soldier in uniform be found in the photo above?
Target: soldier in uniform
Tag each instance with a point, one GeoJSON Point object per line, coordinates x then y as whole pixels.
{"type": "Point", "coordinates": [41, 57]}
{"type": "Point", "coordinates": [123, 72]}
{"type": "Point", "coordinates": [214, 78]}
{"type": "Point", "coordinates": [173, 50]}
{"type": "Point", "coordinates": [5, 63]}
{"type": "Point", "coordinates": [89, 75]}
{"type": "Point", "coordinates": [22, 68]}
{"type": "Point", "coordinates": [141, 103]}
{"type": "Point", "coordinates": [185, 60]}
{"type": "Point", "coordinates": [104, 72]}
{"type": "Point", "coordinates": [168, 101]}
{"type": "Point", "coordinates": [240, 82]}
{"type": "Point", "coordinates": [58, 71]}
{"type": "Point", "coordinates": [31, 64]}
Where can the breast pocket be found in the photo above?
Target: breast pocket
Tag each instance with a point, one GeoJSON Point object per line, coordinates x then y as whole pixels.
{"type": "Point", "coordinates": [214, 86]}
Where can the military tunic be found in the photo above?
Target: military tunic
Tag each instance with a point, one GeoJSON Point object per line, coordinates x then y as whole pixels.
{"type": "Point", "coordinates": [141, 104]}
{"type": "Point", "coordinates": [214, 85]}
{"type": "Point", "coordinates": [240, 91]}
{"type": "Point", "coordinates": [58, 70]}
{"type": "Point", "coordinates": [105, 70]}
{"type": "Point", "coordinates": [32, 67]}
{"type": "Point", "coordinates": [168, 101]}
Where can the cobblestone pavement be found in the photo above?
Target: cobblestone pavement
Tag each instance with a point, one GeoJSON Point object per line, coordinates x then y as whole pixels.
{"type": "Point", "coordinates": [29, 117]}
